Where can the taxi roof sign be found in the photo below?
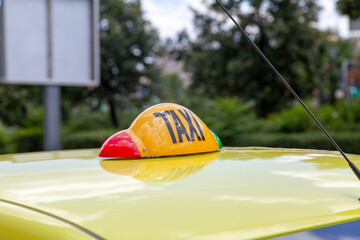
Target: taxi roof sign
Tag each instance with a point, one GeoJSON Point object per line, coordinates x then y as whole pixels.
{"type": "Point", "coordinates": [162, 130]}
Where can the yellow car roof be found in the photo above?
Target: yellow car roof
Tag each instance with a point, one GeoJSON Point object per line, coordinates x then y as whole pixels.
{"type": "Point", "coordinates": [238, 193]}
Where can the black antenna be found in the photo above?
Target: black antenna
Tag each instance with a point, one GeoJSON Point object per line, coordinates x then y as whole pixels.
{"type": "Point", "coordinates": [352, 165]}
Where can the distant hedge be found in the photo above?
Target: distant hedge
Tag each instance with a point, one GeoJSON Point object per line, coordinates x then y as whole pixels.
{"type": "Point", "coordinates": [88, 139]}
{"type": "Point", "coordinates": [27, 140]}
{"type": "Point", "coordinates": [31, 140]}
{"type": "Point", "coordinates": [348, 141]}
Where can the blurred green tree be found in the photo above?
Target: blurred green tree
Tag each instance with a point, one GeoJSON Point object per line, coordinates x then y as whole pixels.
{"type": "Point", "coordinates": [128, 52]}
{"type": "Point", "coordinates": [338, 49]}
{"type": "Point", "coordinates": [224, 61]}
{"type": "Point", "coordinates": [349, 7]}
{"type": "Point", "coordinates": [16, 103]}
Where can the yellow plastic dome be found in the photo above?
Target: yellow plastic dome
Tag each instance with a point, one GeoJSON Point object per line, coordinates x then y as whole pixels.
{"type": "Point", "coordinates": [165, 129]}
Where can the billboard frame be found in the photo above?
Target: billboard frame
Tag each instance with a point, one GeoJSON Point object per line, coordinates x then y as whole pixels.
{"type": "Point", "coordinates": [2, 47]}
{"type": "Point", "coordinates": [50, 81]}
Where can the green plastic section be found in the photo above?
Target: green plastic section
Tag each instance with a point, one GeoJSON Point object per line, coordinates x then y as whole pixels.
{"type": "Point", "coordinates": [218, 140]}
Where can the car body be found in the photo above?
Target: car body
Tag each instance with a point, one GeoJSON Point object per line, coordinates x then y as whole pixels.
{"type": "Point", "coordinates": [235, 193]}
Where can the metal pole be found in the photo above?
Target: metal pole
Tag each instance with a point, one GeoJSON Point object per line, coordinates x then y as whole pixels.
{"type": "Point", "coordinates": [52, 118]}
{"type": "Point", "coordinates": [52, 96]}
{"type": "Point", "coordinates": [2, 44]}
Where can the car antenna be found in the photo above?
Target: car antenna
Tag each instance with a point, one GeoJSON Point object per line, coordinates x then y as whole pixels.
{"type": "Point", "coordinates": [351, 164]}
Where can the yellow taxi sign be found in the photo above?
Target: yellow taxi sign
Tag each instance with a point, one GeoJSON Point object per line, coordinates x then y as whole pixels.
{"type": "Point", "coordinates": [165, 129]}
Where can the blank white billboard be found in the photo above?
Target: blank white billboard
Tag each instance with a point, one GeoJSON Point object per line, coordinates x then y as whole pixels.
{"type": "Point", "coordinates": [25, 42]}
{"type": "Point", "coordinates": [50, 42]}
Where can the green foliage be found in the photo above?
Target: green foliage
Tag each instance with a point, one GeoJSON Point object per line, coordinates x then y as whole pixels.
{"type": "Point", "coordinates": [34, 118]}
{"type": "Point", "coordinates": [84, 118]}
{"type": "Point", "coordinates": [338, 49]}
{"type": "Point", "coordinates": [349, 7]}
{"type": "Point", "coordinates": [225, 62]}
{"type": "Point", "coordinates": [86, 139]}
{"type": "Point", "coordinates": [343, 116]}
{"type": "Point", "coordinates": [128, 51]}
{"type": "Point", "coordinates": [348, 141]}
{"type": "Point", "coordinates": [4, 140]}
{"type": "Point", "coordinates": [233, 120]}
{"type": "Point", "coordinates": [229, 117]}
{"type": "Point", "coordinates": [331, 118]}
{"type": "Point", "coordinates": [294, 119]}
{"type": "Point", "coordinates": [171, 88]}
{"type": "Point", "coordinates": [16, 101]}
{"type": "Point", "coordinates": [28, 140]}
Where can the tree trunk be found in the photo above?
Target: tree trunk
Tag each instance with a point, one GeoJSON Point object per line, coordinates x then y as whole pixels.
{"type": "Point", "coordinates": [113, 115]}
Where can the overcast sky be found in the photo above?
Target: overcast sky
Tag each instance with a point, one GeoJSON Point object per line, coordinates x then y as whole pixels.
{"type": "Point", "coordinates": [171, 16]}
